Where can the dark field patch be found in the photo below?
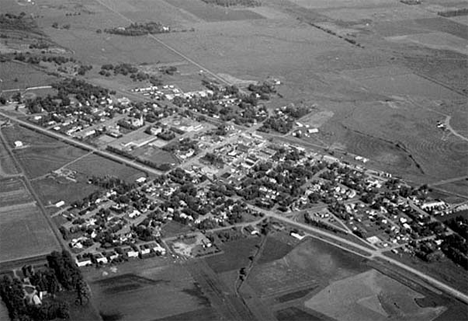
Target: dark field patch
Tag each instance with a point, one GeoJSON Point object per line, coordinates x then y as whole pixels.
{"type": "Point", "coordinates": [274, 249]}
{"type": "Point", "coordinates": [205, 314]}
{"type": "Point", "coordinates": [174, 228]}
{"type": "Point", "coordinates": [295, 314]}
{"type": "Point", "coordinates": [110, 316]}
{"type": "Point", "coordinates": [236, 255]}
{"type": "Point", "coordinates": [294, 295]}
{"type": "Point", "coordinates": [126, 278]}
{"type": "Point", "coordinates": [157, 293]}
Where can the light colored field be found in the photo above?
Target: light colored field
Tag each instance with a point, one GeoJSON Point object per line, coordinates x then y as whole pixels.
{"type": "Point", "coordinates": [100, 166]}
{"type": "Point", "coordinates": [316, 120]}
{"type": "Point", "coordinates": [411, 85]}
{"type": "Point", "coordinates": [311, 263]}
{"type": "Point", "coordinates": [370, 296]}
{"type": "Point", "coordinates": [375, 14]}
{"type": "Point", "coordinates": [435, 40]}
{"type": "Point", "coordinates": [24, 232]}
{"type": "Point", "coordinates": [13, 192]}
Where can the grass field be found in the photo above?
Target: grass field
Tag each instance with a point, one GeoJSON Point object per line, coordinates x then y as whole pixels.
{"type": "Point", "coordinates": [236, 255]}
{"type": "Point", "coordinates": [100, 166]}
{"type": "Point", "coordinates": [51, 190]}
{"type": "Point", "coordinates": [17, 75]}
{"type": "Point", "coordinates": [24, 233]}
{"type": "Point", "coordinates": [7, 163]}
{"type": "Point", "coordinates": [174, 228]}
{"type": "Point", "coordinates": [41, 154]}
{"type": "Point", "coordinates": [156, 155]}
{"type": "Point", "coordinates": [275, 248]}
{"type": "Point", "coordinates": [370, 296]}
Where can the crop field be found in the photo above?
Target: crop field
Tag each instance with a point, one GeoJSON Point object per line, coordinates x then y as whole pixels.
{"type": "Point", "coordinates": [24, 233]}
{"type": "Point", "coordinates": [171, 291]}
{"type": "Point", "coordinates": [370, 296]}
{"type": "Point", "coordinates": [41, 154]}
{"type": "Point", "coordinates": [51, 190]}
{"type": "Point", "coordinates": [295, 314]}
{"type": "Point", "coordinates": [101, 166]}
{"type": "Point", "coordinates": [7, 163]}
{"type": "Point", "coordinates": [13, 192]}
{"type": "Point", "coordinates": [385, 140]}
{"type": "Point", "coordinates": [236, 255]}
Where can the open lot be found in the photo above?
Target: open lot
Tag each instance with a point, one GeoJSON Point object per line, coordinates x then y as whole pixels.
{"type": "Point", "coordinates": [370, 296]}
{"type": "Point", "coordinates": [24, 233]}
{"type": "Point", "coordinates": [52, 190]}
{"type": "Point", "coordinates": [100, 166]}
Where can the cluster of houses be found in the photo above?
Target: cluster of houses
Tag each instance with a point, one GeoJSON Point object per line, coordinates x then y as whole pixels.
{"type": "Point", "coordinates": [127, 252]}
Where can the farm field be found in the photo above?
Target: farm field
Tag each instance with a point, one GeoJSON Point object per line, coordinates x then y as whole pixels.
{"type": "Point", "coordinates": [13, 192]}
{"type": "Point", "coordinates": [7, 163]}
{"type": "Point", "coordinates": [95, 165]}
{"type": "Point", "coordinates": [370, 296]}
{"type": "Point", "coordinates": [146, 296]}
{"type": "Point", "coordinates": [25, 233]}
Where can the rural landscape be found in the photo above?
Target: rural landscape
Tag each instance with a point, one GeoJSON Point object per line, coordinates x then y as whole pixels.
{"type": "Point", "coordinates": [234, 160]}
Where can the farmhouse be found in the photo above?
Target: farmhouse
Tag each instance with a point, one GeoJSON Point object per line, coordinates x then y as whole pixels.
{"type": "Point", "coordinates": [84, 261]}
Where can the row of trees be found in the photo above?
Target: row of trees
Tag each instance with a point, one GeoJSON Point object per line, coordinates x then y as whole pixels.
{"type": "Point", "coordinates": [139, 29]}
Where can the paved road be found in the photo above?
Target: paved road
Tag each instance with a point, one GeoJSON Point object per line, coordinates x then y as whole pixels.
{"type": "Point", "coordinates": [84, 146]}
{"type": "Point", "coordinates": [451, 180]}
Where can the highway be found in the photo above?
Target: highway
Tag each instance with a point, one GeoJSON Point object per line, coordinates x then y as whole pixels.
{"type": "Point", "coordinates": [84, 146]}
